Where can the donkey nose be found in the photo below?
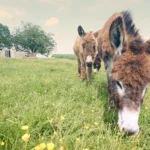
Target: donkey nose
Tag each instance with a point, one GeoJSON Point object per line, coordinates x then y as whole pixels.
{"type": "Point", "coordinates": [131, 131]}
{"type": "Point", "coordinates": [89, 64]}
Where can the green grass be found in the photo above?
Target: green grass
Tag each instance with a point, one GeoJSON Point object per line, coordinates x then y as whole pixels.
{"type": "Point", "coordinates": [64, 56]}
{"type": "Point", "coordinates": [32, 92]}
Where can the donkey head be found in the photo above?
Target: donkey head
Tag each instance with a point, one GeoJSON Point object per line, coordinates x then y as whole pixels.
{"type": "Point", "coordinates": [130, 73]}
{"type": "Point", "coordinates": [88, 46]}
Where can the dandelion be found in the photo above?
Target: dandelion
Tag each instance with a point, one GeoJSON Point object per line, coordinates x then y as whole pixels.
{"type": "Point", "coordinates": [51, 120]}
{"type": "Point", "coordinates": [95, 123]}
{"type": "Point", "coordinates": [86, 127]}
{"type": "Point", "coordinates": [37, 148]}
{"type": "Point", "coordinates": [24, 128]}
{"type": "Point", "coordinates": [146, 107]}
{"type": "Point", "coordinates": [78, 139]}
{"type": "Point", "coordinates": [61, 148]}
{"type": "Point", "coordinates": [85, 148]}
{"type": "Point", "coordinates": [62, 118]}
{"type": "Point", "coordinates": [26, 137]}
{"type": "Point", "coordinates": [50, 146]}
{"type": "Point", "coordinates": [55, 133]}
{"type": "Point", "coordinates": [2, 143]}
{"type": "Point", "coordinates": [93, 111]}
{"type": "Point", "coordinates": [42, 146]}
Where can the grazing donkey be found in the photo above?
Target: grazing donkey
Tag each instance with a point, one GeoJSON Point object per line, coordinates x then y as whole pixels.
{"type": "Point", "coordinates": [127, 62]}
{"type": "Point", "coordinates": [85, 49]}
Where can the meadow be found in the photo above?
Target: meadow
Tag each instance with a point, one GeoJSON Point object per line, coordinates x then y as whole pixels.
{"type": "Point", "coordinates": [64, 56]}
{"type": "Point", "coordinates": [60, 110]}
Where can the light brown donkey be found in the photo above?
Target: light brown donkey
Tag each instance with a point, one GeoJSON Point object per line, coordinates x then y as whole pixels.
{"type": "Point", "coordinates": [85, 49]}
{"type": "Point", "coordinates": [127, 62]}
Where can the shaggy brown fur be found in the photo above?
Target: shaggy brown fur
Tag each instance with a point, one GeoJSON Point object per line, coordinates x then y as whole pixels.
{"type": "Point", "coordinates": [133, 69]}
{"type": "Point", "coordinates": [85, 48]}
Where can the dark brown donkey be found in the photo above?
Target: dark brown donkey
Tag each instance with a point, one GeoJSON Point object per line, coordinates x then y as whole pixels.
{"type": "Point", "coordinates": [85, 49]}
{"type": "Point", "coordinates": [127, 62]}
{"type": "Point", "coordinates": [97, 63]}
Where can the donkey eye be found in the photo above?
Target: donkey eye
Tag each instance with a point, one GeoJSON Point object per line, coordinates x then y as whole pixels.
{"type": "Point", "coordinates": [117, 82]}
{"type": "Point", "coordinates": [123, 51]}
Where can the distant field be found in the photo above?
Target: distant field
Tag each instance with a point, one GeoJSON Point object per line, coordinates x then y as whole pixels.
{"type": "Point", "coordinates": [47, 96]}
{"type": "Point", "coordinates": [64, 56]}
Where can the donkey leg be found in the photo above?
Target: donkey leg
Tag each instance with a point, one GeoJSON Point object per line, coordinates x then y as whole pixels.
{"type": "Point", "coordinates": [89, 73]}
{"type": "Point", "coordinates": [83, 70]}
{"type": "Point", "coordinates": [79, 68]}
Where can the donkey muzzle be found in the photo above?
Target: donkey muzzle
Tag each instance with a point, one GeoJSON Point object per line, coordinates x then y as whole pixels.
{"type": "Point", "coordinates": [89, 64]}
{"type": "Point", "coordinates": [89, 61]}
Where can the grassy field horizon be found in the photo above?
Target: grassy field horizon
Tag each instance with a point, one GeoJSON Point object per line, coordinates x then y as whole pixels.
{"type": "Point", "coordinates": [60, 109]}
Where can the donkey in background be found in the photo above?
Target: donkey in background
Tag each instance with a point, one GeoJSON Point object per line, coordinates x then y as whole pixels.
{"type": "Point", "coordinates": [127, 63]}
{"type": "Point", "coordinates": [97, 63]}
{"type": "Point", "coordinates": [85, 49]}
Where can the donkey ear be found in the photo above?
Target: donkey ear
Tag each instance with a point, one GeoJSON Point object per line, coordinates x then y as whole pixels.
{"type": "Point", "coordinates": [116, 33]}
{"type": "Point", "coordinates": [81, 32]}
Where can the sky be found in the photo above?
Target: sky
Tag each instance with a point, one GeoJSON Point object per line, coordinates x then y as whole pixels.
{"type": "Point", "coordinates": [62, 17]}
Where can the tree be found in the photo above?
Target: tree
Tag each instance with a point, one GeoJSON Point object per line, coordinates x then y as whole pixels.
{"type": "Point", "coordinates": [32, 38]}
{"type": "Point", "coordinates": [5, 37]}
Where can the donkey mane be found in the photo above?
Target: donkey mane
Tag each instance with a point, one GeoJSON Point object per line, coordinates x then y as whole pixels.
{"type": "Point", "coordinates": [136, 45]}
{"type": "Point", "coordinates": [130, 26]}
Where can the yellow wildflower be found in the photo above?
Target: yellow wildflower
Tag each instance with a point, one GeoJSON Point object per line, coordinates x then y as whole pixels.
{"type": "Point", "coordinates": [26, 137]}
{"type": "Point", "coordinates": [93, 111]}
{"type": "Point", "coordinates": [95, 123]}
{"type": "Point", "coordinates": [86, 127]}
{"type": "Point", "coordinates": [51, 120]}
{"type": "Point", "coordinates": [24, 128]}
{"type": "Point", "coordinates": [62, 118]}
{"type": "Point", "coordinates": [42, 146]}
{"type": "Point", "coordinates": [50, 146]}
{"type": "Point", "coordinates": [61, 148]}
{"type": "Point", "coordinates": [37, 148]}
{"type": "Point", "coordinates": [78, 139]}
{"type": "Point", "coordinates": [2, 143]}
{"type": "Point", "coordinates": [61, 140]}
{"type": "Point", "coordinates": [85, 148]}
{"type": "Point", "coordinates": [146, 107]}
{"type": "Point", "coordinates": [55, 133]}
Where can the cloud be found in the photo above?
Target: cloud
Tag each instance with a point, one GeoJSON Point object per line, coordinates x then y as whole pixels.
{"type": "Point", "coordinates": [9, 11]}
{"type": "Point", "coordinates": [5, 14]}
{"type": "Point", "coordinates": [60, 4]}
{"type": "Point", "coordinates": [12, 15]}
{"type": "Point", "coordinates": [52, 21]}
